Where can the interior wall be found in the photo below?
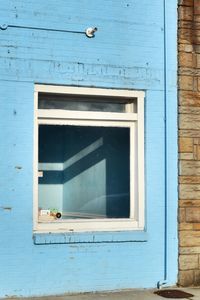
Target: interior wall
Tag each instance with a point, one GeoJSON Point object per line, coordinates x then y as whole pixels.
{"type": "Point", "coordinates": [50, 152]}
{"type": "Point", "coordinates": [94, 160]}
{"type": "Point", "coordinates": [84, 171]}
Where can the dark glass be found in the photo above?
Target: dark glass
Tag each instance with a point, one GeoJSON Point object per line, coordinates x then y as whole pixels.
{"type": "Point", "coordinates": [86, 171]}
{"type": "Point", "coordinates": [83, 103]}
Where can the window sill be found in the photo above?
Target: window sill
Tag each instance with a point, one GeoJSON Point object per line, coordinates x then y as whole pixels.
{"type": "Point", "coordinates": [46, 238]}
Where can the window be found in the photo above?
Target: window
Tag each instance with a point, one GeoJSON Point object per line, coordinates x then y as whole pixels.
{"type": "Point", "coordinates": [89, 159]}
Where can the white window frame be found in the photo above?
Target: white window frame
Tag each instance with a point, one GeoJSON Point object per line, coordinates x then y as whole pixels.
{"type": "Point", "coordinates": [134, 121]}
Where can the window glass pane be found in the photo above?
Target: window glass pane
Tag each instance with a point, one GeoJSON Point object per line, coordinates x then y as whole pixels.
{"type": "Point", "coordinates": [84, 172]}
{"type": "Point", "coordinates": [83, 103]}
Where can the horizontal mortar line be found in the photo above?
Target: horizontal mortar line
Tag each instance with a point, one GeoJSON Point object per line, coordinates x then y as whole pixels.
{"type": "Point", "coordinates": [187, 24]}
{"type": "Point", "coordinates": [90, 242]}
{"type": "Point", "coordinates": [72, 84]}
{"type": "Point", "coordinates": [113, 66]}
{"type": "Point", "coordinates": [190, 113]}
{"type": "Point", "coordinates": [41, 28]}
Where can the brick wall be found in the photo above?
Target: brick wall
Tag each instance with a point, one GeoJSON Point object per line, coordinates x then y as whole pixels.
{"type": "Point", "coordinates": [189, 142]}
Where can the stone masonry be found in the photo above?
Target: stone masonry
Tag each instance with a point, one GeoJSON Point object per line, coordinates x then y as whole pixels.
{"type": "Point", "coordinates": [189, 142]}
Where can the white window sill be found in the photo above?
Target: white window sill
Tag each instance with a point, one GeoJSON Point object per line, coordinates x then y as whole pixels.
{"type": "Point", "coordinates": [46, 238]}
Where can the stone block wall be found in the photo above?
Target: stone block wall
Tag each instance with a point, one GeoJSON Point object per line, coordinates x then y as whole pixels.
{"type": "Point", "coordinates": [189, 142]}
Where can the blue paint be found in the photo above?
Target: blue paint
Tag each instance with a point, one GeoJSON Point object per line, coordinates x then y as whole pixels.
{"type": "Point", "coordinates": [127, 52]}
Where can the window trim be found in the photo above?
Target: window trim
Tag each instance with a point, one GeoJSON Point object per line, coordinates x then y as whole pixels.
{"type": "Point", "coordinates": [134, 121]}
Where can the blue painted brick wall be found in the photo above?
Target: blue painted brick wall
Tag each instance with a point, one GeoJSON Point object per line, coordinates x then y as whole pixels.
{"type": "Point", "coordinates": [134, 48]}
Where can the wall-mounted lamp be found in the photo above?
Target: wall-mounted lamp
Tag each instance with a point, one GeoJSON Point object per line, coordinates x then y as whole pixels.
{"type": "Point", "coordinates": [3, 26]}
{"type": "Point", "coordinates": [91, 31]}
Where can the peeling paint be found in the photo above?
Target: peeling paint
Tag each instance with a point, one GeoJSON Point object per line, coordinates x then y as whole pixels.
{"type": "Point", "coordinates": [6, 208]}
{"type": "Point", "coordinates": [18, 167]}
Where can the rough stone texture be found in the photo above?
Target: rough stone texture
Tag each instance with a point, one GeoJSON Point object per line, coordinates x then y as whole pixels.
{"type": "Point", "coordinates": [189, 191]}
{"type": "Point", "coordinates": [193, 215]}
{"type": "Point", "coordinates": [186, 145]}
{"type": "Point", "coordinates": [181, 216]}
{"type": "Point", "coordinates": [197, 277]}
{"type": "Point", "coordinates": [189, 262]}
{"type": "Point", "coordinates": [189, 238]}
{"type": "Point", "coordinates": [189, 142]}
{"type": "Point", "coordinates": [186, 278]}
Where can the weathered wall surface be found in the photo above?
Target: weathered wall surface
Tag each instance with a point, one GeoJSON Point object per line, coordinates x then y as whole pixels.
{"type": "Point", "coordinates": [134, 48]}
{"type": "Point", "coordinates": [189, 142]}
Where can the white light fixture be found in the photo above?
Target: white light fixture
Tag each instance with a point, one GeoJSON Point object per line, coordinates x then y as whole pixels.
{"type": "Point", "coordinates": [90, 31]}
